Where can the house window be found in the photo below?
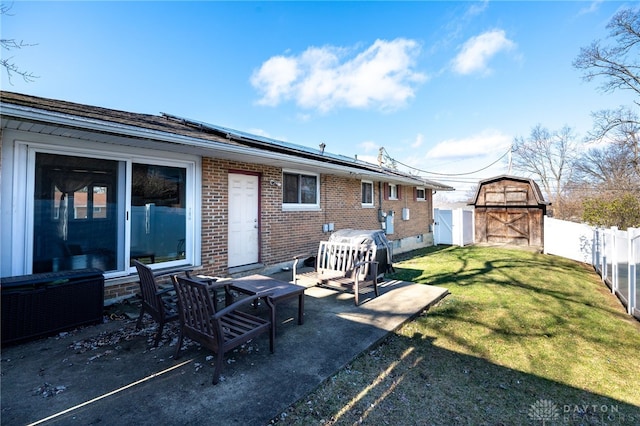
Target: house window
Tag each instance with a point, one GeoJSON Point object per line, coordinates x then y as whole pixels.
{"type": "Point", "coordinates": [393, 191]}
{"type": "Point", "coordinates": [420, 194]}
{"type": "Point", "coordinates": [367, 193]}
{"type": "Point", "coordinates": [300, 190]}
{"type": "Point", "coordinates": [88, 202]}
{"type": "Point", "coordinates": [102, 213]}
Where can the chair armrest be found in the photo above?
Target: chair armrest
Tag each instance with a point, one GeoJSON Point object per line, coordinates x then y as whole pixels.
{"type": "Point", "coordinates": [164, 291]}
{"type": "Point", "coordinates": [362, 263]}
{"type": "Point", "coordinates": [295, 267]}
{"type": "Point", "coordinates": [165, 272]}
{"type": "Point", "coordinates": [235, 305]}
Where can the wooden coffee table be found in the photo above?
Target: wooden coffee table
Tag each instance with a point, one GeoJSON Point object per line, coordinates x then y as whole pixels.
{"type": "Point", "coordinates": [271, 290]}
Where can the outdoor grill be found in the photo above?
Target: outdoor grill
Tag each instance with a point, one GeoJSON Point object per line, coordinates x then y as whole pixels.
{"type": "Point", "coordinates": [384, 251]}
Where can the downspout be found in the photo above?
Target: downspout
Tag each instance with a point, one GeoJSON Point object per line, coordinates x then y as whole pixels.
{"type": "Point", "coordinates": [380, 211]}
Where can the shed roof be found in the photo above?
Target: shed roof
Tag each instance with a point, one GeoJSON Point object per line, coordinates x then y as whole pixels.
{"type": "Point", "coordinates": [534, 186]}
{"type": "Point", "coordinates": [57, 117]}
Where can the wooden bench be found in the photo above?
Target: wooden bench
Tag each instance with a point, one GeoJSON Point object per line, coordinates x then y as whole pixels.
{"type": "Point", "coordinates": [342, 266]}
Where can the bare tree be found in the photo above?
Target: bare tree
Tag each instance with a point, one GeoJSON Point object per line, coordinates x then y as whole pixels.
{"type": "Point", "coordinates": [471, 193]}
{"type": "Point", "coordinates": [618, 64]}
{"type": "Point", "coordinates": [608, 169]}
{"type": "Point", "coordinates": [612, 173]}
{"type": "Point", "coordinates": [622, 128]}
{"type": "Point", "coordinates": [10, 44]}
{"type": "Point", "coordinates": [548, 157]}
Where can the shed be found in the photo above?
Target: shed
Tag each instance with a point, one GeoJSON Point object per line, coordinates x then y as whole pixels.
{"type": "Point", "coordinates": [509, 210]}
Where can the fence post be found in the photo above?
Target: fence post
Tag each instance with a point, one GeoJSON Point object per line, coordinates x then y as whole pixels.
{"type": "Point", "coordinates": [458, 234]}
{"type": "Point", "coordinates": [436, 228]}
{"type": "Point", "coordinates": [595, 250]}
{"type": "Point", "coordinates": [634, 234]}
{"type": "Point", "coordinates": [603, 260]}
{"type": "Point", "coordinates": [598, 249]}
{"type": "Point", "coordinates": [604, 257]}
{"type": "Point", "coordinates": [614, 259]}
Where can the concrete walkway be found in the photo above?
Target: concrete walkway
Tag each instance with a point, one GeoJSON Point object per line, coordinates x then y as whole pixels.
{"type": "Point", "coordinates": [109, 374]}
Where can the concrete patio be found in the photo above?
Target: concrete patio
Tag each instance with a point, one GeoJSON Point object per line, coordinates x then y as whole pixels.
{"type": "Point", "coordinates": [110, 374]}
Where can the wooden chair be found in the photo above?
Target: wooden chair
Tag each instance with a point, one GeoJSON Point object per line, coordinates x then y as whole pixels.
{"type": "Point", "coordinates": [155, 302]}
{"type": "Point", "coordinates": [363, 275]}
{"type": "Point", "coordinates": [343, 266]}
{"type": "Point", "coordinates": [219, 331]}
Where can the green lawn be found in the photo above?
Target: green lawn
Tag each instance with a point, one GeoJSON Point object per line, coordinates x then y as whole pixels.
{"type": "Point", "coordinates": [523, 338]}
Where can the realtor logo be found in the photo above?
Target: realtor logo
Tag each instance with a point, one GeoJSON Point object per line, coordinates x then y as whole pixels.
{"type": "Point", "coordinates": [544, 410]}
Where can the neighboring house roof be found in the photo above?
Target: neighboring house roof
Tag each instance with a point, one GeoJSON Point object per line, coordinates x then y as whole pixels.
{"type": "Point", "coordinates": [173, 133]}
{"type": "Point", "coordinates": [539, 198]}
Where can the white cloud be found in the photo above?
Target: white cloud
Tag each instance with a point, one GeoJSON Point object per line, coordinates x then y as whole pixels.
{"type": "Point", "coordinates": [418, 142]}
{"type": "Point", "coordinates": [476, 8]}
{"type": "Point", "coordinates": [325, 78]}
{"type": "Point", "coordinates": [592, 7]}
{"type": "Point", "coordinates": [476, 52]}
{"type": "Point", "coordinates": [485, 143]}
{"type": "Point", "coordinates": [274, 78]}
{"type": "Point", "coordinates": [369, 146]}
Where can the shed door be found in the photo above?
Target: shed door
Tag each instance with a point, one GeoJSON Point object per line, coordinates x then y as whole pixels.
{"type": "Point", "coordinates": [443, 226]}
{"type": "Point", "coordinates": [243, 219]}
{"type": "Point", "coordinates": [508, 226]}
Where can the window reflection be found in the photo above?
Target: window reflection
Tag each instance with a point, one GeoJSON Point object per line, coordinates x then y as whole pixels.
{"type": "Point", "coordinates": [74, 213]}
{"type": "Point", "coordinates": [158, 213]}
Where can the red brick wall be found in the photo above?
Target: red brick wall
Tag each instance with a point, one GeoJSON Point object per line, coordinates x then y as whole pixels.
{"type": "Point", "coordinates": [420, 212]}
{"type": "Point", "coordinates": [121, 290]}
{"type": "Point", "coordinates": [285, 234]}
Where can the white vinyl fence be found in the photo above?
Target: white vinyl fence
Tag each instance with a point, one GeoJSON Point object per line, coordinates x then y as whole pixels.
{"type": "Point", "coordinates": [615, 255]}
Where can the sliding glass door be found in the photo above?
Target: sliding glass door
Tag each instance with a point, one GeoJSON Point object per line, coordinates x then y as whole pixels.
{"type": "Point", "coordinates": [75, 219]}
{"type": "Point", "coordinates": [158, 213]}
{"type": "Point", "coordinates": [103, 213]}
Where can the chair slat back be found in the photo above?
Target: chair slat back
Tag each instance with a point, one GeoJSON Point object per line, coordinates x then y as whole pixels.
{"type": "Point", "coordinates": [334, 256]}
{"type": "Point", "coordinates": [149, 289]}
{"type": "Point", "coordinates": [195, 305]}
{"type": "Point", "coordinates": [364, 253]}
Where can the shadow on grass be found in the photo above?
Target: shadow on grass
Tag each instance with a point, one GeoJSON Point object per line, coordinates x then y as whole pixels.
{"type": "Point", "coordinates": [509, 272]}
{"type": "Point", "coordinates": [542, 308]}
{"type": "Point", "coordinates": [413, 381]}
{"type": "Point", "coordinates": [417, 380]}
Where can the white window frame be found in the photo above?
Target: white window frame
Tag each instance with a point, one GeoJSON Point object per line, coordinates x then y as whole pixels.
{"type": "Point", "coordinates": [23, 164]}
{"type": "Point", "coordinates": [393, 191]}
{"type": "Point", "coordinates": [301, 206]}
{"type": "Point", "coordinates": [424, 192]}
{"type": "Point", "coordinates": [373, 192]}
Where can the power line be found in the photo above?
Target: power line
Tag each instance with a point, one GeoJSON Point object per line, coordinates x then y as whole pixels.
{"type": "Point", "coordinates": [446, 174]}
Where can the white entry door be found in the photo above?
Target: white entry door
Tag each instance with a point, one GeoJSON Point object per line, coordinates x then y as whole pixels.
{"type": "Point", "coordinates": [243, 219]}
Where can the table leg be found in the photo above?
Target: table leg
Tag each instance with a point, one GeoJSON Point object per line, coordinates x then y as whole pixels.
{"type": "Point", "coordinates": [301, 309]}
{"type": "Point", "coordinates": [228, 297]}
{"type": "Point", "coordinates": [272, 308]}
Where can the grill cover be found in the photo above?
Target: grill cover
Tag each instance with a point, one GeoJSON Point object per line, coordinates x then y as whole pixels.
{"type": "Point", "coordinates": [384, 251]}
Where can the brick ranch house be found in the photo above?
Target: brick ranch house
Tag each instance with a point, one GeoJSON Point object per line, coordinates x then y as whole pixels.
{"type": "Point", "coordinates": [84, 186]}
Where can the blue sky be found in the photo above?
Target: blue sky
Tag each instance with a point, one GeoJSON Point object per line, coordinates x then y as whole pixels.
{"type": "Point", "coordinates": [443, 86]}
